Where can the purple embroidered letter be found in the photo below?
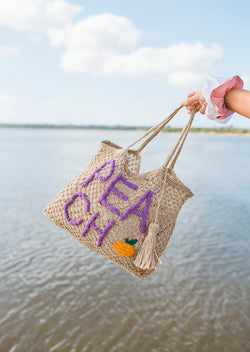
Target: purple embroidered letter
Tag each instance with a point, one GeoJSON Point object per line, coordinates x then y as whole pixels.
{"type": "Point", "coordinates": [102, 233]}
{"type": "Point", "coordinates": [70, 201]}
{"type": "Point", "coordinates": [116, 191]}
{"type": "Point", "coordinates": [100, 177]}
{"type": "Point", "coordinates": [143, 214]}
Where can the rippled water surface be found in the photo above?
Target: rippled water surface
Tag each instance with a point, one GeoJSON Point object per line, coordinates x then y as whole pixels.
{"type": "Point", "coordinates": [57, 295]}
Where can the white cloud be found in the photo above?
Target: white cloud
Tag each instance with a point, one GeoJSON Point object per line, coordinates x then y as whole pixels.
{"type": "Point", "coordinates": [180, 63]}
{"type": "Point", "coordinates": [6, 51]}
{"type": "Point", "coordinates": [37, 15]}
{"type": "Point", "coordinates": [94, 42]}
{"type": "Point", "coordinates": [107, 44]}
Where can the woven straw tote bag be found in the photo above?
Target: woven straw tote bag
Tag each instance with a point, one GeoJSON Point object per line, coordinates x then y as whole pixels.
{"type": "Point", "coordinates": [120, 213]}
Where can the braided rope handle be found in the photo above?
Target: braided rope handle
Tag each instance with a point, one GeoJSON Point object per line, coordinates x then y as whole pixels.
{"type": "Point", "coordinates": [155, 130]}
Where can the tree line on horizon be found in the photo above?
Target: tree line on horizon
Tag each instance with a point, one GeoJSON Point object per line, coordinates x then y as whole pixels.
{"type": "Point", "coordinates": [228, 129]}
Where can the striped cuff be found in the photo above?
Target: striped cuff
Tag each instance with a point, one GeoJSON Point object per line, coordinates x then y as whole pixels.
{"type": "Point", "coordinates": [217, 96]}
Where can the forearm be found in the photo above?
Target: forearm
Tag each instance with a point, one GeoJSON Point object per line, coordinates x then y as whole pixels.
{"type": "Point", "coordinates": [238, 100]}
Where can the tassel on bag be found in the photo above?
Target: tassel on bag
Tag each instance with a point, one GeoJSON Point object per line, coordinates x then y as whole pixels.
{"type": "Point", "coordinates": [145, 258]}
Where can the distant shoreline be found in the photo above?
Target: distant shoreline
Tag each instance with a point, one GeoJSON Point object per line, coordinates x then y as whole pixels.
{"type": "Point", "coordinates": [221, 130]}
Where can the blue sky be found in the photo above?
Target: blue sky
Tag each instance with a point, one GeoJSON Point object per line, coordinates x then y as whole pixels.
{"type": "Point", "coordinates": [82, 62]}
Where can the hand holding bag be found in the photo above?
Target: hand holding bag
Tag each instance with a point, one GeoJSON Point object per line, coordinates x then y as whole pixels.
{"type": "Point", "coordinates": [120, 213]}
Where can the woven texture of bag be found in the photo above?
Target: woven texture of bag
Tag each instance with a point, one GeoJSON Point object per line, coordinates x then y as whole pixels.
{"type": "Point", "coordinates": [114, 210]}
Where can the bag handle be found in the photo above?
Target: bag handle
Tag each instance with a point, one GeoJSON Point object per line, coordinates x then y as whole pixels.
{"type": "Point", "coordinates": [174, 153]}
{"type": "Point", "coordinates": [158, 129]}
{"type": "Point", "coordinates": [153, 131]}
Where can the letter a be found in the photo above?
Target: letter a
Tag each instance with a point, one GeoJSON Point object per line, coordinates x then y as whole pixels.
{"type": "Point", "coordinates": [143, 214]}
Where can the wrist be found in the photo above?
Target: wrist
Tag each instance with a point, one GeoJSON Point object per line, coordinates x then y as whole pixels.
{"type": "Point", "coordinates": [237, 99]}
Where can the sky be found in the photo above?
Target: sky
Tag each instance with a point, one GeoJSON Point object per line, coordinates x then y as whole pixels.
{"type": "Point", "coordinates": [117, 62]}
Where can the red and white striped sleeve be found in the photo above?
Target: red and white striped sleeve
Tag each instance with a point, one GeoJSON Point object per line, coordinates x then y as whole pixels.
{"type": "Point", "coordinates": [214, 90]}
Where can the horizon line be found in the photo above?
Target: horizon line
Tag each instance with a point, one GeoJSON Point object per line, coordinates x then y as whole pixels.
{"type": "Point", "coordinates": [225, 129]}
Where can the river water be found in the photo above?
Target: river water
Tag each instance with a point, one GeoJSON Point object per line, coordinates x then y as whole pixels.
{"type": "Point", "coordinates": [57, 296]}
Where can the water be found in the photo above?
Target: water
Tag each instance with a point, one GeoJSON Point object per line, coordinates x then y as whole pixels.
{"type": "Point", "coordinates": [57, 295]}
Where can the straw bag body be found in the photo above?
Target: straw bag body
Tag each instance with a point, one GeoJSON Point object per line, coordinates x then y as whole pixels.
{"type": "Point", "coordinates": [124, 215]}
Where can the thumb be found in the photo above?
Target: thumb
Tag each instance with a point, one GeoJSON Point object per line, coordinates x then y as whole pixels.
{"type": "Point", "coordinates": [183, 102]}
{"type": "Point", "coordinates": [192, 98]}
